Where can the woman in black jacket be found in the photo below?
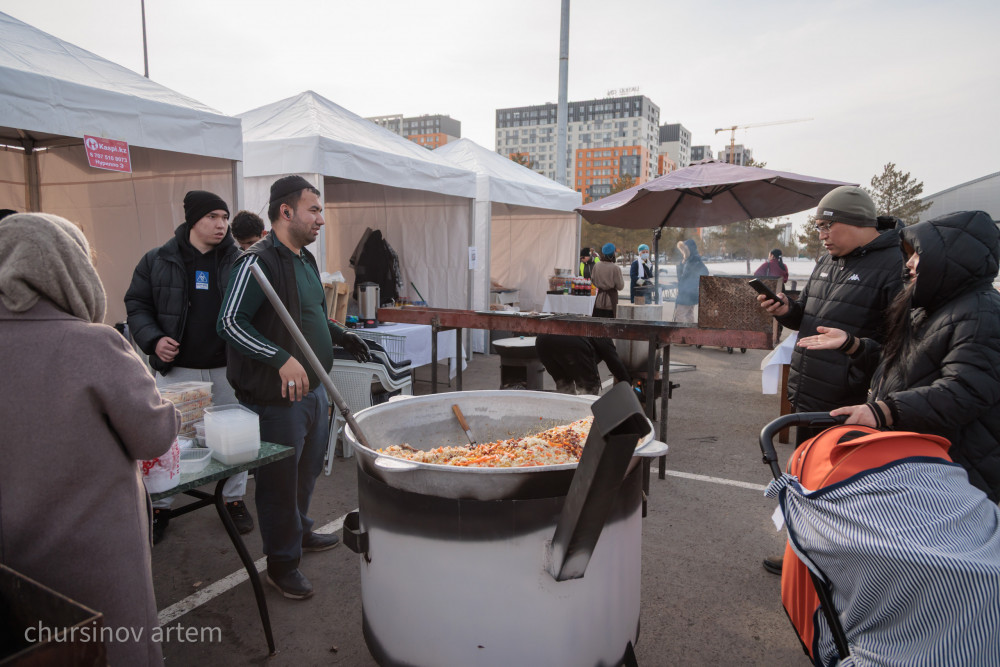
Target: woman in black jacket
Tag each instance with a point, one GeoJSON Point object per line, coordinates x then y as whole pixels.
{"type": "Point", "coordinates": [939, 370]}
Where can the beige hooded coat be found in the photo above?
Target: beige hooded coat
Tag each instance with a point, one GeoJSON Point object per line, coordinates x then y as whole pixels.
{"type": "Point", "coordinates": [78, 409]}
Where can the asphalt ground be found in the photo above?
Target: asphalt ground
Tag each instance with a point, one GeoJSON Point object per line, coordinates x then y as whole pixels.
{"type": "Point", "coordinates": [706, 599]}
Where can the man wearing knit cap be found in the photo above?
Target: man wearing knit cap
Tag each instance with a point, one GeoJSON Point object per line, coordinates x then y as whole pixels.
{"type": "Point", "coordinates": [850, 289]}
{"type": "Point", "coordinates": [172, 304]}
{"type": "Point", "coordinates": [273, 378]}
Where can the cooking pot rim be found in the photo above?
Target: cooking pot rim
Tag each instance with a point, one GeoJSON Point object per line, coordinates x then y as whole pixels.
{"type": "Point", "coordinates": [444, 398]}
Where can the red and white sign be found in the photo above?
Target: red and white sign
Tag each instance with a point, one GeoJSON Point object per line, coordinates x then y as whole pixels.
{"type": "Point", "coordinates": [107, 153]}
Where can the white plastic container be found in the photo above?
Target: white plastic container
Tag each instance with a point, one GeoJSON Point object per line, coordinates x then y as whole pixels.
{"type": "Point", "coordinates": [232, 432]}
{"type": "Point", "coordinates": [194, 460]}
{"type": "Point", "coordinates": [199, 430]}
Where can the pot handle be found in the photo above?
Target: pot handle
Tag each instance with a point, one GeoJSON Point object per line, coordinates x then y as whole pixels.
{"type": "Point", "coordinates": [354, 538]}
{"type": "Point", "coordinates": [652, 449]}
{"type": "Point", "coordinates": [619, 422]}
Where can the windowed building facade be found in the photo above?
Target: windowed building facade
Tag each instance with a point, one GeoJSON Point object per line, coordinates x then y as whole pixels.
{"type": "Point", "coordinates": [675, 143]}
{"type": "Point", "coordinates": [699, 153]}
{"type": "Point", "coordinates": [626, 128]}
{"type": "Point", "coordinates": [741, 155]}
{"type": "Point", "coordinates": [429, 131]}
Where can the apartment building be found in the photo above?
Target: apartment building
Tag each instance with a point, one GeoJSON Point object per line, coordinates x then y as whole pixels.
{"type": "Point", "coordinates": [675, 143]}
{"type": "Point", "coordinates": [742, 155]}
{"type": "Point", "coordinates": [605, 139]}
{"type": "Point", "coordinates": [699, 153]}
{"type": "Point", "coordinates": [429, 131]}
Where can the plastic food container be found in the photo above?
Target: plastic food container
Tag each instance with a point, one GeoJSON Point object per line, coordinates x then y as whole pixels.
{"type": "Point", "coordinates": [183, 392]}
{"type": "Point", "coordinates": [194, 460]}
{"type": "Point", "coordinates": [232, 432]}
{"type": "Point", "coordinates": [199, 430]}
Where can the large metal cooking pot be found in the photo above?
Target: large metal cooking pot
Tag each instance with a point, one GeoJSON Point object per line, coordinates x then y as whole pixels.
{"type": "Point", "coordinates": [427, 422]}
{"type": "Point", "coordinates": [456, 563]}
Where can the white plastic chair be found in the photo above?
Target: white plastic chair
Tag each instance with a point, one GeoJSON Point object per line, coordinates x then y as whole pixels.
{"type": "Point", "coordinates": [354, 382]}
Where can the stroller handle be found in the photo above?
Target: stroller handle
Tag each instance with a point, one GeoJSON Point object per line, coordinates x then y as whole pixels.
{"type": "Point", "coordinates": [767, 433]}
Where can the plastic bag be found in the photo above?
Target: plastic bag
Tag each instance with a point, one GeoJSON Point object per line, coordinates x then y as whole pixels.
{"type": "Point", "coordinates": [164, 472]}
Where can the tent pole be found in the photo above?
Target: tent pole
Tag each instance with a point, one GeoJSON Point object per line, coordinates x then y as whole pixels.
{"type": "Point", "coordinates": [656, 264]}
{"type": "Point", "coordinates": [470, 279]}
{"type": "Point", "coordinates": [33, 195]}
{"type": "Point", "coordinates": [579, 242]}
{"type": "Point", "coordinates": [488, 258]}
{"type": "Point", "coordinates": [237, 185]}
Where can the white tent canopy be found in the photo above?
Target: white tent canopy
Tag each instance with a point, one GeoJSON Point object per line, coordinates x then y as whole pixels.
{"type": "Point", "coordinates": [368, 177]}
{"type": "Point", "coordinates": [54, 87]}
{"type": "Point", "coordinates": [52, 93]}
{"type": "Point", "coordinates": [309, 134]}
{"type": "Point", "coordinates": [525, 225]}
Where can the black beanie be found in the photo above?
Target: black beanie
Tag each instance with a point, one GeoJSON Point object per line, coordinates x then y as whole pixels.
{"type": "Point", "coordinates": [199, 203]}
{"type": "Point", "coordinates": [286, 185]}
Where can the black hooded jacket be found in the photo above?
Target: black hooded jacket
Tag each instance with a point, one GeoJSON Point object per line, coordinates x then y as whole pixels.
{"type": "Point", "coordinates": [851, 292]}
{"type": "Point", "coordinates": [157, 298]}
{"type": "Point", "coordinates": [947, 381]}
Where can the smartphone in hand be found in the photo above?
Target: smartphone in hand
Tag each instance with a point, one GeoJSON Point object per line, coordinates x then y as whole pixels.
{"type": "Point", "coordinates": [761, 288]}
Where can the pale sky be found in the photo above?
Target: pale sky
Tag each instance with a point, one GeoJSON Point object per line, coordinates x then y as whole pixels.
{"type": "Point", "coordinates": [913, 82]}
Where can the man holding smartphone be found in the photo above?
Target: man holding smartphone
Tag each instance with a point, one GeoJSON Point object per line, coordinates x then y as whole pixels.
{"type": "Point", "coordinates": [850, 289]}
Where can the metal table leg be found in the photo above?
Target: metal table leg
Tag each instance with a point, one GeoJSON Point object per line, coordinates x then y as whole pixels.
{"type": "Point", "coordinates": [664, 398]}
{"type": "Point", "coordinates": [458, 358]}
{"type": "Point", "coordinates": [258, 589]}
{"type": "Point", "coordinates": [434, 356]}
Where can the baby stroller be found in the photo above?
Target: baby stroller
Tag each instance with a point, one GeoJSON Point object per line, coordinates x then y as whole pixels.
{"type": "Point", "coordinates": [892, 558]}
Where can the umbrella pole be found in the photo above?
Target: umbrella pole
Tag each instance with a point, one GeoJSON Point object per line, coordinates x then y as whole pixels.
{"type": "Point", "coordinates": [656, 264]}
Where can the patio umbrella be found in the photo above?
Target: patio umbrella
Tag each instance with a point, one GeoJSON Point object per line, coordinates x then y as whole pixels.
{"type": "Point", "coordinates": [705, 195]}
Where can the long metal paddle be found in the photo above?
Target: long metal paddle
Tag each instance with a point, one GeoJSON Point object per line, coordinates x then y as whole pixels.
{"type": "Point", "coordinates": [300, 340]}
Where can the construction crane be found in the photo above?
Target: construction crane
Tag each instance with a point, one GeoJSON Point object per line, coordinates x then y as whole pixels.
{"type": "Point", "coordinates": [732, 138]}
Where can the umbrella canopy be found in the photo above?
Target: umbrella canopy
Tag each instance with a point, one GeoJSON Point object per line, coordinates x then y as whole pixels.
{"type": "Point", "coordinates": [709, 194]}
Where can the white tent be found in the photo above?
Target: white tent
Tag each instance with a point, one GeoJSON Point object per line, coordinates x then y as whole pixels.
{"type": "Point", "coordinates": [368, 177]}
{"type": "Point", "coordinates": [525, 225]}
{"type": "Point", "coordinates": [52, 94]}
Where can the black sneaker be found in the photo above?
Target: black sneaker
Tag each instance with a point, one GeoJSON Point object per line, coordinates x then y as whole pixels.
{"type": "Point", "coordinates": [240, 516]}
{"type": "Point", "coordinates": [161, 517]}
{"type": "Point", "coordinates": [319, 542]}
{"type": "Point", "coordinates": [292, 584]}
{"type": "Point", "coordinates": [773, 564]}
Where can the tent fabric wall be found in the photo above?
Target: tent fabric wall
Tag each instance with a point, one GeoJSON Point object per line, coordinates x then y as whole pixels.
{"type": "Point", "coordinates": [428, 230]}
{"type": "Point", "coordinates": [12, 192]}
{"type": "Point", "coordinates": [524, 226]}
{"type": "Point", "coordinates": [125, 215]}
{"type": "Point", "coordinates": [526, 245]}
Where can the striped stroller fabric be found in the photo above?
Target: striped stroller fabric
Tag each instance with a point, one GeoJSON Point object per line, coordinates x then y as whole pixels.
{"type": "Point", "coordinates": [912, 553]}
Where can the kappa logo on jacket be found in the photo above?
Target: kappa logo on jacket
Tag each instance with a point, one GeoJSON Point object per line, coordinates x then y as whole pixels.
{"type": "Point", "coordinates": [855, 277]}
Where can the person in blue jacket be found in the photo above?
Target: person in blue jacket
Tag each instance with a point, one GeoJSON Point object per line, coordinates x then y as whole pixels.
{"type": "Point", "coordinates": [689, 272]}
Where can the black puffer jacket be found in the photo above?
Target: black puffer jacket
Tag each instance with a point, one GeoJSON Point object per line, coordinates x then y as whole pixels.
{"type": "Point", "coordinates": [852, 293]}
{"type": "Point", "coordinates": [947, 382]}
{"type": "Point", "coordinates": [157, 298]}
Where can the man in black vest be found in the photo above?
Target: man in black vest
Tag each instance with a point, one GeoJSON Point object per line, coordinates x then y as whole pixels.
{"type": "Point", "coordinates": [272, 377]}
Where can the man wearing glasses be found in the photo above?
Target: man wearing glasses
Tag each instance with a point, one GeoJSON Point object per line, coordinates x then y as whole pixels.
{"type": "Point", "coordinates": [850, 289]}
